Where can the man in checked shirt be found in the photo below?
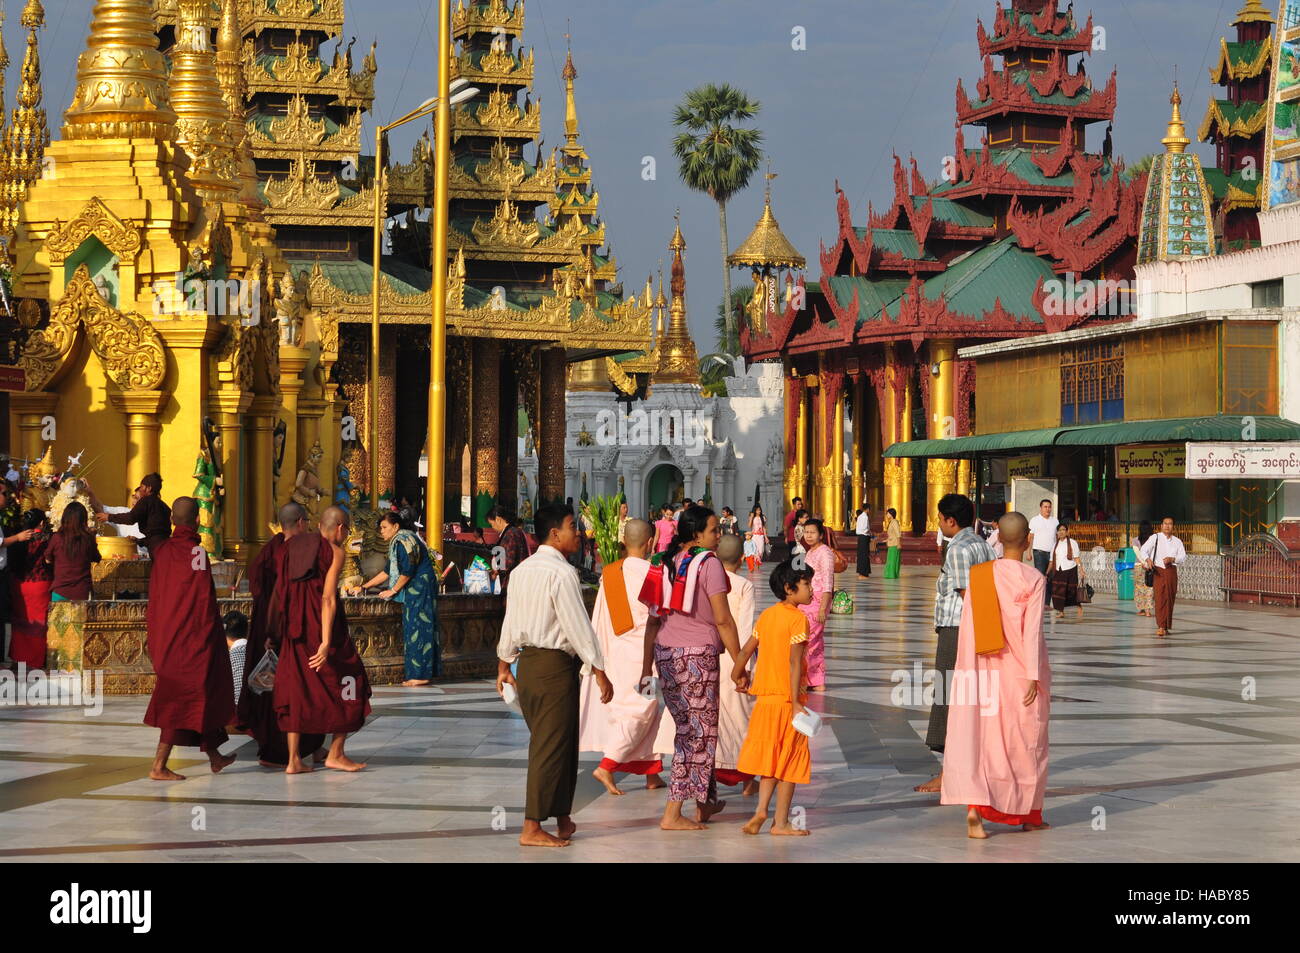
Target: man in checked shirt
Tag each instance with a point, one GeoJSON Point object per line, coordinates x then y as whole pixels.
{"type": "Point", "coordinates": [966, 548]}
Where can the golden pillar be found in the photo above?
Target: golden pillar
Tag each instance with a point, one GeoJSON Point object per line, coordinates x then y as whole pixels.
{"type": "Point", "coordinates": [292, 362]}
{"type": "Point", "coordinates": [857, 492]}
{"type": "Point", "coordinates": [31, 410]}
{"type": "Point", "coordinates": [898, 471]}
{"type": "Point", "coordinates": [965, 478]}
{"type": "Point", "coordinates": [259, 506]}
{"type": "Point", "coordinates": [550, 443]}
{"type": "Point", "coordinates": [802, 487]}
{"type": "Point", "coordinates": [141, 409]}
{"type": "Point", "coordinates": [941, 474]}
{"type": "Point", "coordinates": [837, 464]}
{"type": "Point", "coordinates": [386, 446]}
{"type": "Point", "coordinates": [485, 420]}
{"type": "Point", "coordinates": [229, 407]}
{"type": "Point", "coordinates": [791, 424]}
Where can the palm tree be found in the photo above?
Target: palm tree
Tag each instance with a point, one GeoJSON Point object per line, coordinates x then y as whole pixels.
{"type": "Point", "coordinates": [715, 156]}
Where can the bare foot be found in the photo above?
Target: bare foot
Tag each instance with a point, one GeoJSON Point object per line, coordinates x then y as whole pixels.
{"type": "Point", "coordinates": [707, 809]}
{"type": "Point", "coordinates": [606, 778]}
{"type": "Point", "coordinates": [1060, 615]}
{"type": "Point", "coordinates": [975, 825]}
{"type": "Point", "coordinates": [680, 824]}
{"type": "Point", "coordinates": [220, 761]}
{"type": "Point", "coordinates": [165, 774]}
{"type": "Point", "coordinates": [415, 683]}
{"type": "Point", "coordinates": [1036, 827]}
{"type": "Point", "coordinates": [343, 763]}
{"type": "Point", "coordinates": [298, 766]}
{"type": "Point", "coordinates": [789, 831]}
{"type": "Point", "coordinates": [541, 838]}
{"type": "Point", "coordinates": [1160, 633]}
{"type": "Point", "coordinates": [933, 786]}
{"type": "Point", "coordinates": [653, 782]}
{"type": "Point", "coordinates": [754, 825]}
{"type": "Point", "coordinates": [565, 827]}
{"type": "Point", "coordinates": [750, 788]}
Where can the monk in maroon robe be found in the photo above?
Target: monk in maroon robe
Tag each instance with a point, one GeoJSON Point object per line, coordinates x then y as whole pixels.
{"type": "Point", "coordinates": [320, 684]}
{"type": "Point", "coordinates": [194, 693]}
{"type": "Point", "coordinates": [257, 711]}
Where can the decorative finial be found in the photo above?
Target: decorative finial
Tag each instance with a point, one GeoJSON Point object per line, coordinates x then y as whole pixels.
{"type": "Point", "coordinates": [1175, 140]}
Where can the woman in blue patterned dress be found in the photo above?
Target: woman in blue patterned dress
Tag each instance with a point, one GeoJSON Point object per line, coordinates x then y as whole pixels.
{"type": "Point", "coordinates": [412, 582]}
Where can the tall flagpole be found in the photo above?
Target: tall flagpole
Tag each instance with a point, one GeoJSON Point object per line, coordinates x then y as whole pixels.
{"type": "Point", "coordinates": [433, 502]}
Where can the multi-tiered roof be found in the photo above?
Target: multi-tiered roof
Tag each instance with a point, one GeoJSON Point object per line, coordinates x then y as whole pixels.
{"type": "Point", "coordinates": [970, 256]}
{"type": "Point", "coordinates": [1235, 124]}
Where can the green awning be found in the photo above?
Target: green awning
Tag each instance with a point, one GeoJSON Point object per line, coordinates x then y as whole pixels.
{"type": "Point", "coordinates": [1225, 428]}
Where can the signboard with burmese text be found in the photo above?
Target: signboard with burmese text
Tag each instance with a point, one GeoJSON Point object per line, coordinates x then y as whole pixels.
{"type": "Point", "coordinates": [1243, 461]}
{"type": "Point", "coordinates": [1027, 466]}
{"type": "Point", "coordinates": [1152, 460]}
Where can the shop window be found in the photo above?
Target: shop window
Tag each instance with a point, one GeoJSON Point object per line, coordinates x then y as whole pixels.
{"type": "Point", "coordinates": [1250, 368]}
{"type": "Point", "coordinates": [1092, 383]}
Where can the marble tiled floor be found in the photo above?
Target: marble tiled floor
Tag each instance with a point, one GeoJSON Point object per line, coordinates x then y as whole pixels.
{"type": "Point", "coordinates": [1155, 756]}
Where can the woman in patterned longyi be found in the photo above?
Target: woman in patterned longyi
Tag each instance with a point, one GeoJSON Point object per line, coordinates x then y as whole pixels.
{"type": "Point", "coordinates": [689, 626]}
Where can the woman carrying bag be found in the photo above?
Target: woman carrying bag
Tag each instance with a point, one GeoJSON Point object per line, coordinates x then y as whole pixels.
{"type": "Point", "coordinates": [1065, 573]}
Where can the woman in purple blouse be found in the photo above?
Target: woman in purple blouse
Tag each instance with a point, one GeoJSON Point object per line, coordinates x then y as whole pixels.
{"type": "Point", "coordinates": [689, 626]}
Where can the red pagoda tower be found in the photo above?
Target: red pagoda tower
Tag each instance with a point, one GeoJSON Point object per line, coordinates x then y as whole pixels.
{"type": "Point", "coordinates": [1028, 233]}
{"type": "Point", "coordinates": [1236, 126]}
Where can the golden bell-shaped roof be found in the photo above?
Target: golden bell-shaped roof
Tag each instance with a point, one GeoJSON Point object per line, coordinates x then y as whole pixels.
{"type": "Point", "coordinates": [121, 90]}
{"type": "Point", "coordinates": [1253, 12]}
{"type": "Point", "coordinates": [767, 245]}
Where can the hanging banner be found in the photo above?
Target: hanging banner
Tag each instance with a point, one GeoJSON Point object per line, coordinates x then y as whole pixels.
{"type": "Point", "coordinates": [1151, 460]}
{"type": "Point", "coordinates": [1025, 467]}
{"type": "Point", "coordinates": [1243, 461]}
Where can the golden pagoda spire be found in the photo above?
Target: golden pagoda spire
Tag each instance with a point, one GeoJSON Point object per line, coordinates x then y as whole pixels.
{"type": "Point", "coordinates": [570, 73]}
{"type": "Point", "coordinates": [22, 154]}
{"type": "Point", "coordinates": [4, 61]}
{"type": "Point", "coordinates": [230, 77]}
{"type": "Point", "coordinates": [203, 117]}
{"type": "Point", "coordinates": [121, 78]}
{"type": "Point", "coordinates": [1175, 140]}
{"type": "Point", "coordinates": [678, 361]}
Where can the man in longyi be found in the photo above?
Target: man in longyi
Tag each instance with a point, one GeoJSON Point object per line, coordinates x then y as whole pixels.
{"type": "Point", "coordinates": [320, 685]}
{"type": "Point", "coordinates": [256, 712]}
{"type": "Point", "coordinates": [624, 730]}
{"type": "Point", "coordinates": [194, 693]}
{"type": "Point", "coordinates": [995, 755]}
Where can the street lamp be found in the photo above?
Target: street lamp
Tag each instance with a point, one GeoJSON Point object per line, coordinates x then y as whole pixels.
{"type": "Point", "coordinates": [463, 92]}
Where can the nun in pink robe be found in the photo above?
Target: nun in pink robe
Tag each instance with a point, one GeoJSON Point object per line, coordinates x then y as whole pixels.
{"type": "Point", "coordinates": [624, 730]}
{"type": "Point", "coordinates": [995, 756]}
{"type": "Point", "coordinates": [733, 707]}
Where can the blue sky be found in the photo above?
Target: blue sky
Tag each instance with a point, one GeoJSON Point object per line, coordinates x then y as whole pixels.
{"type": "Point", "coordinates": [876, 76]}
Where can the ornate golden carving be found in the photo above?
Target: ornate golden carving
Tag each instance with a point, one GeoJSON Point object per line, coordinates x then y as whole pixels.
{"type": "Point", "coordinates": [483, 17]}
{"type": "Point", "coordinates": [96, 219]}
{"type": "Point", "coordinates": [500, 115]}
{"type": "Point", "coordinates": [894, 472]}
{"type": "Point", "coordinates": [301, 188]}
{"type": "Point", "coordinates": [506, 229]}
{"type": "Point", "coordinates": [941, 472]}
{"type": "Point", "coordinates": [127, 344]}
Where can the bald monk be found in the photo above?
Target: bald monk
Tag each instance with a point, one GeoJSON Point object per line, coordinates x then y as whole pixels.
{"type": "Point", "coordinates": [194, 693]}
{"type": "Point", "coordinates": [256, 712]}
{"type": "Point", "coordinates": [624, 730]}
{"type": "Point", "coordinates": [320, 685]}
{"type": "Point", "coordinates": [995, 753]}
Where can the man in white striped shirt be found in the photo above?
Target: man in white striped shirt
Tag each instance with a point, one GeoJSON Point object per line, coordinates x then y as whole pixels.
{"type": "Point", "coordinates": [548, 630]}
{"type": "Point", "coordinates": [1164, 552]}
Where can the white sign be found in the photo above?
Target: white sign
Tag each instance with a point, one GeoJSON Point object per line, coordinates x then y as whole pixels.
{"type": "Point", "coordinates": [1243, 461]}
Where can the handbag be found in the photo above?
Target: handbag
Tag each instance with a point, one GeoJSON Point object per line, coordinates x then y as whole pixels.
{"type": "Point", "coordinates": [841, 564]}
{"type": "Point", "coordinates": [1085, 594]}
{"type": "Point", "coordinates": [1150, 576]}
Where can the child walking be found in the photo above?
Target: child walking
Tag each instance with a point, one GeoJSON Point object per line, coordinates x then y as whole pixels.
{"type": "Point", "coordinates": [751, 553]}
{"type": "Point", "coordinates": [773, 749]}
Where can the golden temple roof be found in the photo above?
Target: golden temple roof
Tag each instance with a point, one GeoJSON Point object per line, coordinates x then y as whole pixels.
{"type": "Point", "coordinates": [1253, 12]}
{"type": "Point", "coordinates": [767, 244]}
{"type": "Point", "coordinates": [678, 361]}
{"type": "Point", "coordinates": [121, 90]}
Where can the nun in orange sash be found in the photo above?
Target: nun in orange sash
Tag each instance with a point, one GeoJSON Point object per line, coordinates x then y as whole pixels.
{"type": "Point", "coordinates": [624, 730]}
{"type": "Point", "coordinates": [995, 756]}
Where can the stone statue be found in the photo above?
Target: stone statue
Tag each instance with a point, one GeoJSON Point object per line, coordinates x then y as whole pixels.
{"type": "Point", "coordinates": [307, 487]}
{"type": "Point", "coordinates": [289, 312]}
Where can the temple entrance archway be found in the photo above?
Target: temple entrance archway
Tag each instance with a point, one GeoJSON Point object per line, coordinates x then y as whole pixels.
{"type": "Point", "coordinates": [664, 485]}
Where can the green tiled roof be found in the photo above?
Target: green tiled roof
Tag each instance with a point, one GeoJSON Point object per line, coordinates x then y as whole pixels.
{"type": "Point", "coordinates": [355, 277]}
{"type": "Point", "coordinates": [955, 213]}
{"type": "Point", "coordinates": [873, 296]}
{"type": "Point", "coordinates": [974, 283]}
{"type": "Point", "coordinates": [1243, 53]}
{"type": "Point", "coordinates": [1242, 112]}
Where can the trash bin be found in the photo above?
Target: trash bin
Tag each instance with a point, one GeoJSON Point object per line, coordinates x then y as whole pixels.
{"type": "Point", "coordinates": [1124, 573]}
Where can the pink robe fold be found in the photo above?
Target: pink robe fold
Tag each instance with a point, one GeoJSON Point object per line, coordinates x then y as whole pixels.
{"type": "Point", "coordinates": [733, 707]}
{"type": "Point", "coordinates": [624, 729]}
{"type": "Point", "coordinates": [995, 754]}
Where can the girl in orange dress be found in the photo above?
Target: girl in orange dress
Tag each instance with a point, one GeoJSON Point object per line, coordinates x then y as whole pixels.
{"type": "Point", "coordinates": [773, 749]}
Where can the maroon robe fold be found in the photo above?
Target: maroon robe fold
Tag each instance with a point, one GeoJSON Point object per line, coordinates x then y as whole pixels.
{"type": "Point", "coordinates": [323, 701]}
{"type": "Point", "coordinates": [194, 694]}
{"type": "Point", "coordinates": [257, 712]}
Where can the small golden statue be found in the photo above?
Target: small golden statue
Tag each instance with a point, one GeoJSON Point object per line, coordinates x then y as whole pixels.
{"type": "Point", "coordinates": [307, 487]}
{"type": "Point", "coordinates": [39, 492]}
